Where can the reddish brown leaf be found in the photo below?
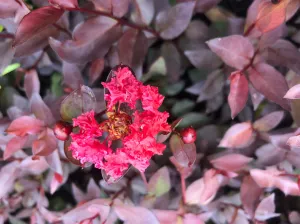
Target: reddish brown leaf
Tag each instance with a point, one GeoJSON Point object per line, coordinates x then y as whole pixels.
{"type": "Point", "coordinates": [92, 40]}
{"type": "Point", "coordinates": [143, 11]}
{"type": "Point", "coordinates": [8, 175]}
{"type": "Point", "coordinates": [14, 8]}
{"type": "Point", "coordinates": [71, 75]}
{"type": "Point", "coordinates": [172, 22]}
{"type": "Point", "coordinates": [236, 50]}
{"type": "Point", "coordinates": [268, 81]}
{"type": "Point", "coordinates": [36, 21]}
{"type": "Point", "coordinates": [172, 60]}
{"type": "Point", "coordinates": [135, 214]}
{"type": "Point", "coordinates": [238, 95]}
{"type": "Point", "coordinates": [270, 15]}
{"type": "Point", "coordinates": [185, 154]}
{"type": "Point", "coordinates": [14, 145]}
{"type": "Point", "coordinates": [203, 58]}
{"type": "Point", "coordinates": [117, 7]}
{"type": "Point", "coordinates": [231, 162]}
{"type": "Point", "coordinates": [25, 125]}
{"type": "Point", "coordinates": [203, 191]}
{"type": "Point", "coordinates": [256, 97]}
{"type": "Point", "coordinates": [96, 70]}
{"type": "Point", "coordinates": [269, 121]}
{"type": "Point", "coordinates": [36, 42]}
{"type": "Point", "coordinates": [275, 178]}
{"type": "Point", "coordinates": [293, 93]}
{"type": "Point", "coordinates": [45, 144]}
{"type": "Point", "coordinates": [266, 209]}
{"type": "Point", "coordinates": [238, 136]}
{"type": "Point", "coordinates": [64, 3]}
{"type": "Point", "coordinates": [31, 83]}
{"type": "Point", "coordinates": [132, 49]}
{"type": "Point", "coordinates": [250, 193]}
{"type": "Point", "coordinates": [87, 210]}
{"type": "Point", "coordinates": [40, 109]}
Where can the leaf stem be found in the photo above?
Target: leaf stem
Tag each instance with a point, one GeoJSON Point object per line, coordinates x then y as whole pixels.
{"type": "Point", "coordinates": [183, 188]}
{"type": "Point", "coordinates": [7, 35]}
{"type": "Point", "coordinates": [120, 20]}
{"type": "Point", "coordinates": [144, 179]}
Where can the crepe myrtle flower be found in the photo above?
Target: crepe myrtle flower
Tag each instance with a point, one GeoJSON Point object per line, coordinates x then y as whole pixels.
{"type": "Point", "coordinates": [133, 121]}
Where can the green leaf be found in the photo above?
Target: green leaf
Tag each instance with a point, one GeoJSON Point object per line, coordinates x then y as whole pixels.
{"type": "Point", "coordinates": [157, 68]}
{"type": "Point", "coordinates": [1, 28]}
{"type": "Point", "coordinates": [159, 183]}
{"type": "Point", "coordinates": [56, 87]}
{"type": "Point", "coordinates": [194, 119]}
{"type": "Point", "coordinates": [174, 89]}
{"type": "Point", "coordinates": [197, 75]}
{"type": "Point", "coordinates": [13, 220]}
{"type": "Point", "coordinates": [10, 68]}
{"type": "Point", "coordinates": [183, 106]}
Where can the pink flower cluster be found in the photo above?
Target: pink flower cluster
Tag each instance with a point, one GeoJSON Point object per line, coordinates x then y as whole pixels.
{"type": "Point", "coordinates": [139, 143]}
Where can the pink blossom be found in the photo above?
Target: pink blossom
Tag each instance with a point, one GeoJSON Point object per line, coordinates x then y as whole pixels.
{"type": "Point", "coordinates": [137, 131]}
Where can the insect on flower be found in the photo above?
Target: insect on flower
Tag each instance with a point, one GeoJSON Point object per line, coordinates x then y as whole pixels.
{"type": "Point", "coordinates": [127, 135]}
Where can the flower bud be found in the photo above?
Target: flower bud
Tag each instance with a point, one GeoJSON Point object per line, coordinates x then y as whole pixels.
{"type": "Point", "coordinates": [188, 135]}
{"type": "Point", "coordinates": [62, 130]}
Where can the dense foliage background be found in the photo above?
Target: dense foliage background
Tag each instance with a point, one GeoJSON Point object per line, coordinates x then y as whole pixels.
{"type": "Point", "coordinates": [230, 69]}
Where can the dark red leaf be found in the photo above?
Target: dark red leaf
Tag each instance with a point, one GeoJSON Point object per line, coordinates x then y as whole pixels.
{"type": "Point", "coordinates": [142, 12]}
{"type": "Point", "coordinates": [17, 127]}
{"type": "Point", "coordinates": [269, 121]}
{"type": "Point", "coordinates": [31, 83]}
{"type": "Point", "coordinates": [268, 81]}
{"type": "Point", "coordinates": [172, 22]}
{"type": "Point", "coordinates": [172, 60]}
{"type": "Point", "coordinates": [185, 154]}
{"type": "Point", "coordinates": [71, 75]}
{"type": "Point", "coordinates": [238, 136]}
{"type": "Point", "coordinates": [36, 42]}
{"type": "Point", "coordinates": [64, 3]}
{"type": "Point", "coordinates": [212, 87]}
{"type": "Point", "coordinates": [236, 50]}
{"type": "Point", "coordinates": [13, 8]}
{"type": "Point", "coordinates": [92, 40]}
{"type": "Point", "coordinates": [45, 144]}
{"type": "Point", "coordinates": [36, 21]}
{"type": "Point", "coordinates": [96, 70]}
{"type": "Point", "coordinates": [132, 49]}
{"type": "Point", "coordinates": [256, 97]}
{"type": "Point", "coordinates": [250, 193]}
{"type": "Point", "coordinates": [203, 58]}
{"type": "Point", "coordinates": [284, 53]}
{"type": "Point", "coordinates": [135, 214]}
{"type": "Point", "coordinates": [117, 7]}
{"type": "Point", "coordinates": [231, 162]}
{"type": "Point", "coordinates": [14, 145]}
{"type": "Point", "coordinates": [40, 109]}
{"type": "Point", "coordinates": [238, 95]}
{"type": "Point", "coordinates": [266, 209]}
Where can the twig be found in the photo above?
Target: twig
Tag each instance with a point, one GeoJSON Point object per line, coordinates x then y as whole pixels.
{"type": "Point", "coordinates": [183, 188]}
{"type": "Point", "coordinates": [120, 20]}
